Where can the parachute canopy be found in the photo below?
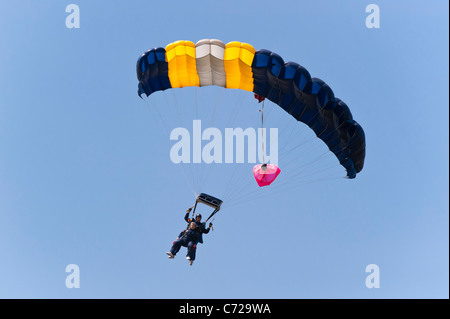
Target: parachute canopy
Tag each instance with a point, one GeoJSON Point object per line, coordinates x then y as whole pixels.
{"type": "Point", "coordinates": [237, 65]}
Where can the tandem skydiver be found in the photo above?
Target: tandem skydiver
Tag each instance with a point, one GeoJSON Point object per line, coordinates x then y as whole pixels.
{"type": "Point", "coordinates": [190, 237]}
{"type": "Point", "coordinates": [201, 227]}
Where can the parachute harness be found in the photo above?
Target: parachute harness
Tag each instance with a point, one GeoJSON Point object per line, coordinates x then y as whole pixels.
{"type": "Point", "coordinates": [209, 201]}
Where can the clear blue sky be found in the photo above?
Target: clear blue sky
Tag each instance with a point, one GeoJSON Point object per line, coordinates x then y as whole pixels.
{"type": "Point", "coordinates": [86, 179]}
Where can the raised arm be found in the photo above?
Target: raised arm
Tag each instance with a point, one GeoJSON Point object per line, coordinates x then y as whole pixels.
{"type": "Point", "coordinates": [205, 230]}
{"type": "Point", "coordinates": [186, 217]}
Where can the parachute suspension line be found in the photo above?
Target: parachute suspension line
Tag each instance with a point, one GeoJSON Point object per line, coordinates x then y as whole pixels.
{"type": "Point", "coordinates": [154, 110]}
{"type": "Point", "coordinates": [240, 201]}
{"type": "Point", "coordinates": [313, 173]}
{"type": "Point", "coordinates": [167, 107]}
{"type": "Point", "coordinates": [247, 180]}
{"type": "Point", "coordinates": [302, 174]}
{"type": "Point", "coordinates": [183, 171]}
{"type": "Point", "coordinates": [302, 177]}
{"type": "Point", "coordinates": [286, 142]}
{"type": "Point", "coordinates": [244, 180]}
{"type": "Point", "coordinates": [196, 117]}
{"type": "Point", "coordinates": [309, 141]}
{"type": "Point", "coordinates": [163, 125]}
{"type": "Point", "coordinates": [205, 172]}
{"type": "Point", "coordinates": [299, 177]}
{"type": "Point", "coordinates": [307, 179]}
{"type": "Point", "coordinates": [186, 170]}
{"type": "Point", "coordinates": [238, 190]}
{"type": "Point", "coordinates": [303, 142]}
{"type": "Point", "coordinates": [196, 102]}
{"type": "Point", "coordinates": [308, 167]}
{"type": "Point", "coordinates": [295, 124]}
{"type": "Point", "coordinates": [287, 167]}
{"type": "Point", "coordinates": [238, 105]}
{"type": "Point", "coordinates": [182, 166]}
{"type": "Point", "coordinates": [318, 135]}
{"type": "Point", "coordinates": [231, 183]}
{"type": "Point", "coordinates": [232, 193]}
{"type": "Point", "coordinates": [294, 159]}
{"type": "Point", "coordinates": [192, 167]}
{"type": "Point", "coordinates": [197, 168]}
{"type": "Point", "coordinates": [177, 107]}
{"type": "Point", "coordinates": [212, 118]}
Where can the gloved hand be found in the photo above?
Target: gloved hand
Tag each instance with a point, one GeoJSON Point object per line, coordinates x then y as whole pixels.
{"type": "Point", "coordinates": [210, 225]}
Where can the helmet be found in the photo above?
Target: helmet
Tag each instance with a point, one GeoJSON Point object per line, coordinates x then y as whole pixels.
{"type": "Point", "coordinates": [198, 215]}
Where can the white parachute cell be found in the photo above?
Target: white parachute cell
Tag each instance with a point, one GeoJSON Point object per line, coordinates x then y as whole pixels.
{"type": "Point", "coordinates": [209, 58]}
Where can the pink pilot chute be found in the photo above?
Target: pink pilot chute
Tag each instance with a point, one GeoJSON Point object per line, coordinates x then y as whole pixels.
{"type": "Point", "coordinates": [265, 174]}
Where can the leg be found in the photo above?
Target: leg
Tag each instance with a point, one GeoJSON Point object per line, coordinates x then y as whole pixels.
{"type": "Point", "coordinates": [192, 247]}
{"type": "Point", "coordinates": [176, 246]}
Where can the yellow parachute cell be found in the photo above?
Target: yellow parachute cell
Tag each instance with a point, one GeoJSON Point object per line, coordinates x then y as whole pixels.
{"type": "Point", "coordinates": [180, 57]}
{"type": "Point", "coordinates": [238, 59]}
